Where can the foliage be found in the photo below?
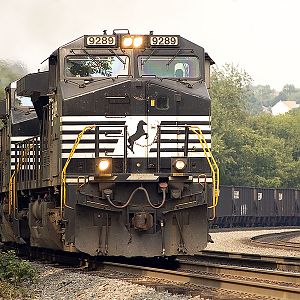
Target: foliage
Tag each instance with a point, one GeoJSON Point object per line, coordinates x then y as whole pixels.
{"type": "Point", "coordinates": [263, 97]}
{"type": "Point", "coordinates": [230, 90]}
{"type": "Point", "coordinates": [90, 66]}
{"type": "Point", "coordinates": [254, 150]}
{"type": "Point", "coordinates": [15, 270]}
{"type": "Point", "coordinates": [9, 71]}
{"type": "Point", "coordinates": [229, 85]}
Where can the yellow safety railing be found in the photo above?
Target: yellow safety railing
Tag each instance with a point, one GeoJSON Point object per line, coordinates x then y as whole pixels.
{"type": "Point", "coordinates": [12, 194]}
{"type": "Point", "coordinates": [63, 192]}
{"type": "Point", "coordinates": [213, 167]}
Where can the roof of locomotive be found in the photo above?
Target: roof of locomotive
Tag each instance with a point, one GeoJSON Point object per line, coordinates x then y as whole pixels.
{"type": "Point", "coordinates": [21, 114]}
{"type": "Point", "coordinates": [79, 43]}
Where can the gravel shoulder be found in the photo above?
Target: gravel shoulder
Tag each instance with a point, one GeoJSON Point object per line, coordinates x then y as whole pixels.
{"type": "Point", "coordinates": [239, 242]}
{"type": "Point", "coordinates": [58, 283]}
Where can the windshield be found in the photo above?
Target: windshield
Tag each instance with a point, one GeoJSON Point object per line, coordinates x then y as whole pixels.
{"type": "Point", "coordinates": [96, 66]}
{"type": "Point", "coordinates": [22, 101]}
{"type": "Point", "coordinates": [169, 66]}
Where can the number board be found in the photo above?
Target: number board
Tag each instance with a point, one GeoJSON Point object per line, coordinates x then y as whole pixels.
{"type": "Point", "coordinates": [100, 40]}
{"type": "Point", "coordinates": [164, 40]}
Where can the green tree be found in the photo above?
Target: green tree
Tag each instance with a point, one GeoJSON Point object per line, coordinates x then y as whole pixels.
{"type": "Point", "coordinates": [9, 71]}
{"type": "Point", "coordinates": [231, 88]}
{"type": "Point", "coordinates": [229, 91]}
{"type": "Point", "coordinates": [255, 150]}
{"type": "Point", "coordinates": [87, 66]}
{"type": "Point", "coordinates": [285, 130]}
{"type": "Point", "coordinates": [289, 92]}
{"type": "Point", "coordinates": [289, 89]}
{"type": "Point", "coordinates": [262, 96]}
{"type": "Point", "coordinates": [295, 96]}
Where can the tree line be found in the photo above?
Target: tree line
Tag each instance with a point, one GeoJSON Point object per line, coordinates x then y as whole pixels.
{"type": "Point", "coordinates": [252, 149]}
{"type": "Point", "coordinates": [9, 71]}
{"type": "Point", "coordinates": [263, 97]}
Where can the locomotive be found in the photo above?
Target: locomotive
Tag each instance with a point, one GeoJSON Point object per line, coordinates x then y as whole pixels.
{"type": "Point", "coordinates": [113, 154]}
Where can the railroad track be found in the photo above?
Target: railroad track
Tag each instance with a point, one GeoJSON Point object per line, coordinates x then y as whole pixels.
{"type": "Point", "coordinates": [282, 263]}
{"type": "Point", "coordinates": [225, 273]}
{"type": "Point", "coordinates": [216, 277]}
{"type": "Point", "coordinates": [278, 240]}
{"type": "Point", "coordinates": [219, 273]}
{"type": "Point", "coordinates": [286, 278]}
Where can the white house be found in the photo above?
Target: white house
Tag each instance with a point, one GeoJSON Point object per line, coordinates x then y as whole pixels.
{"type": "Point", "coordinates": [283, 107]}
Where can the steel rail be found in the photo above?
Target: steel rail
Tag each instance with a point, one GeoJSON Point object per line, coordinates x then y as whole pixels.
{"type": "Point", "coordinates": [283, 263]}
{"type": "Point", "coordinates": [280, 240]}
{"type": "Point", "coordinates": [261, 274]}
{"type": "Point", "coordinates": [234, 285]}
{"type": "Point", "coordinates": [278, 244]}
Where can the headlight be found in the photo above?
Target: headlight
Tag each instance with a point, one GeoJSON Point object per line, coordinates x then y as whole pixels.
{"type": "Point", "coordinates": [180, 165]}
{"type": "Point", "coordinates": [127, 41]}
{"type": "Point", "coordinates": [132, 41]}
{"type": "Point", "coordinates": [103, 165]}
{"type": "Point", "coordinates": [137, 42]}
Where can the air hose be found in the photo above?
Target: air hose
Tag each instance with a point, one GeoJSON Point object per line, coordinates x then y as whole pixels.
{"type": "Point", "coordinates": [162, 186]}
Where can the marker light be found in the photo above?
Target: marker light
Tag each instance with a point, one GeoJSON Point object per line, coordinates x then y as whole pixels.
{"type": "Point", "coordinates": [127, 41]}
{"type": "Point", "coordinates": [103, 165]}
{"type": "Point", "coordinates": [179, 165]}
{"type": "Point", "coordinates": [137, 42]}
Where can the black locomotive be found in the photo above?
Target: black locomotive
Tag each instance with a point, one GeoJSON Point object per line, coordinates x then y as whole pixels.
{"type": "Point", "coordinates": [113, 156]}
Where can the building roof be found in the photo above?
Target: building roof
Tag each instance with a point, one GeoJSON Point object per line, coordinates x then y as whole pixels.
{"type": "Point", "coordinates": [282, 107]}
{"type": "Point", "coordinates": [290, 104]}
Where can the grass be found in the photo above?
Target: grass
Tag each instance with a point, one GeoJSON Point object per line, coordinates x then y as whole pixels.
{"type": "Point", "coordinates": [16, 275]}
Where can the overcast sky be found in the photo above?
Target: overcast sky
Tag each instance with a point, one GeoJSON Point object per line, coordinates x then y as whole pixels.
{"type": "Point", "coordinates": [260, 36]}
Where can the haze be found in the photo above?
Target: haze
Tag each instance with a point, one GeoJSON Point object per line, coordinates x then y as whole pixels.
{"type": "Point", "coordinates": [260, 36]}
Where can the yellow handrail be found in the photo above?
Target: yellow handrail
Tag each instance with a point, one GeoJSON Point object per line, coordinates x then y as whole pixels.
{"type": "Point", "coordinates": [12, 180]}
{"type": "Point", "coordinates": [63, 191]}
{"type": "Point", "coordinates": [213, 166]}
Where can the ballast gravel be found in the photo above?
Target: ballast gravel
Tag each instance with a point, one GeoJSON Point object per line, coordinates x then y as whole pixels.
{"type": "Point", "coordinates": [239, 241]}
{"type": "Point", "coordinates": [57, 283]}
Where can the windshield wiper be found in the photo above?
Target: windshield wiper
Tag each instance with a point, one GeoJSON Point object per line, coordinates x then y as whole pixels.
{"type": "Point", "coordinates": [118, 57]}
{"type": "Point", "coordinates": [147, 58]}
{"type": "Point", "coordinates": [87, 81]}
{"type": "Point", "coordinates": [180, 80]}
{"type": "Point", "coordinates": [80, 85]}
{"type": "Point", "coordinates": [168, 63]}
{"type": "Point", "coordinates": [92, 58]}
